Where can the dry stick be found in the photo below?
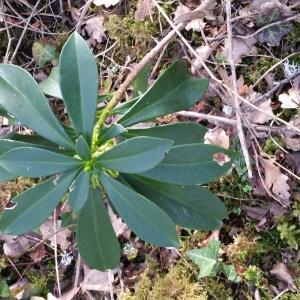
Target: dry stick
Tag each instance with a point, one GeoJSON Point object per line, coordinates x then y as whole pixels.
{"type": "Point", "coordinates": [55, 254]}
{"type": "Point", "coordinates": [83, 14]}
{"type": "Point", "coordinates": [78, 265]}
{"type": "Point", "coordinates": [216, 79]}
{"type": "Point", "coordinates": [239, 125]}
{"type": "Point", "coordinates": [126, 84]}
{"type": "Point", "coordinates": [24, 30]}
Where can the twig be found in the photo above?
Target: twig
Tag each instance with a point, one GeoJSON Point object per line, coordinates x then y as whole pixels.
{"type": "Point", "coordinates": [55, 255]}
{"type": "Point", "coordinates": [24, 30]}
{"type": "Point", "coordinates": [280, 294]}
{"type": "Point", "coordinates": [78, 265]}
{"type": "Point", "coordinates": [208, 117]}
{"type": "Point", "coordinates": [83, 14]}
{"type": "Point", "coordinates": [239, 125]}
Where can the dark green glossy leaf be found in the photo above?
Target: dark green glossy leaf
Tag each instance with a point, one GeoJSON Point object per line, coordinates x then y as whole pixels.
{"type": "Point", "coordinates": [31, 139]}
{"type": "Point", "coordinates": [79, 191]}
{"type": "Point", "coordinates": [174, 90]}
{"type": "Point", "coordinates": [131, 156]}
{"type": "Point", "coordinates": [35, 205]}
{"type": "Point", "coordinates": [21, 96]}
{"type": "Point", "coordinates": [145, 219]}
{"type": "Point", "coordinates": [123, 107]}
{"type": "Point", "coordinates": [96, 240]}
{"type": "Point", "coordinates": [5, 175]}
{"type": "Point", "coordinates": [50, 86]}
{"type": "Point", "coordinates": [110, 132]}
{"type": "Point", "coordinates": [192, 207]}
{"type": "Point", "coordinates": [140, 84]}
{"type": "Point", "coordinates": [82, 148]}
{"type": "Point", "coordinates": [7, 145]}
{"type": "Point", "coordinates": [34, 162]}
{"type": "Point", "coordinates": [79, 83]}
{"type": "Point", "coordinates": [191, 164]}
{"type": "Point", "coordinates": [180, 133]}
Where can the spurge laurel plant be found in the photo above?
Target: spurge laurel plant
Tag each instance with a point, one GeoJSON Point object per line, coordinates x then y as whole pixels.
{"type": "Point", "coordinates": [150, 176]}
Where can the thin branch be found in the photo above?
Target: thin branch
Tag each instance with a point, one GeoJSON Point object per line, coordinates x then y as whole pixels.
{"type": "Point", "coordinates": [83, 14]}
{"type": "Point", "coordinates": [239, 125]}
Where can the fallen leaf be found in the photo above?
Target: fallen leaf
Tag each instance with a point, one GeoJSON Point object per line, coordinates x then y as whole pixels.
{"type": "Point", "coordinates": [204, 53]}
{"type": "Point", "coordinates": [95, 29]}
{"type": "Point", "coordinates": [217, 136]}
{"type": "Point", "coordinates": [275, 181]}
{"type": "Point", "coordinates": [293, 159]}
{"type": "Point", "coordinates": [47, 229]}
{"type": "Point", "coordinates": [292, 98]}
{"type": "Point", "coordinates": [241, 47]}
{"type": "Point", "coordinates": [106, 3]}
{"type": "Point", "coordinates": [282, 273]}
{"type": "Point", "coordinates": [95, 280]}
{"type": "Point", "coordinates": [256, 213]}
{"type": "Point", "coordinates": [38, 253]}
{"type": "Point", "coordinates": [118, 225]}
{"type": "Point", "coordinates": [258, 117]}
{"type": "Point", "coordinates": [17, 247]}
{"type": "Point", "coordinates": [221, 158]}
{"type": "Point", "coordinates": [144, 9]}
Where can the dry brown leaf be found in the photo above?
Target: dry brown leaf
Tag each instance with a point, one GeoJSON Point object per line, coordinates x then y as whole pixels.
{"type": "Point", "coordinates": [118, 225]}
{"type": "Point", "coordinates": [259, 117]}
{"type": "Point", "coordinates": [292, 98]}
{"type": "Point", "coordinates": [95, 280]}
{"type": "Point", "coordinates": [106, 3]}
{"type": "Point", "coordinates": [204, 53]}
{"type": "Point", "coordinates": [95, 29]}
{"type": "Point", "coordinates": [17, 247]}
{"type": "Point", "coordinates": [275, 181]}
{"type": "Point", "coordinates": [144, 9]}
{"type": "Point", "coordinates": [217, 136]}
{"type": "Point", "coordinates": [38, 253]}
{"type": "Point", "coordinates": [282, 273]}
{"type": "Point", "coordinates": [69, 295]}
{"type": "Point", "coordinates": [47, 229]}
{"type": "Point", "coordinates": [241, 47]}
{"type": "Point", "coordinates": [221, 158]}
{"type": "Point", "coordinates": [75, 13]}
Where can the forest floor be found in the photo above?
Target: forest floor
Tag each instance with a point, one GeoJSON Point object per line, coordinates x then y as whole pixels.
{"type": "Point", "coordinates": [252, 106]}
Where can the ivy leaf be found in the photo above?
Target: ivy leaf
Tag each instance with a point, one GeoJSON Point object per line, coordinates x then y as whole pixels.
{"type": "Point", "coordinates": [230, 273]}
{"type": "Point", "coordinates": [206, 258]}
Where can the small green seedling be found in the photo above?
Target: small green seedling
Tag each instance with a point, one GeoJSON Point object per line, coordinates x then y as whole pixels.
{"type": "Point", "coordinates": [150, 176]}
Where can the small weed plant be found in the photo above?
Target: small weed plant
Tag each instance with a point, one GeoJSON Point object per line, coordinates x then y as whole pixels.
{"type": "Point", "coordinates": [152, 176]}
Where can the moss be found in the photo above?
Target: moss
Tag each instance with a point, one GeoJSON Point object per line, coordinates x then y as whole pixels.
{"type": "Point", "coordinates": [176, 284]}
{"type": "Point", "coordinates": [216, 289]}
{"type": "Point", "coordinates": [133, 37]}
{"type": "Point", "coordinates": [39, 283]}
{"type": "Point", "coordinates": [10, 189]}
{"type": "Point", "coordinates": [272, 144]}
{"type": "Point", "coordinates": [256, 68]}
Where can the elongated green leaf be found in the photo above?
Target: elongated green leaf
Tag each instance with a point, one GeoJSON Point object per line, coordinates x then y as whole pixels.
{"type": "Point", "coordinates": [79, 191]}
{"type": "Point", "coordinates": [180, 133]}
{"type": "Point", "coordinates": [131, 156]}
{"type": "Point", "coordinates": [124, 107]}
{"type": "Point", "coordinates": [5, 175]}
{"type": "Point", "coordinates": [31, 139]}
{"type": "Point", "coordinates": [174, 90]}
{"type": "Point", "coordinates": [50, 86]}
{"type": "Point", "coordinates": [35, 205]}
{"type": "Point", "coordinates": [145, 219]}
{"type": "Point", "coordinates": [110, 132]}
{"type": "Point", "coordinates": [140, 84]}
{"type": "Point", "coordinates": [34, 162]}
{"type": "Point", "coordinates": [96, 240]}
{"type": "Point", "coordinates": [7, 145]}
{"type": "Point", "coordinates": [21, 96]}
{"type": "Point", "coordinates": [189, 206]}
{"type": "Point", "coordinates": [191, 164]}
{"type": "Point", "coordinates": [206, 258]}
{"type": "Point", "coordinates": [78, 83]}
{"type": "Point", "coordinates": [82, 148]}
